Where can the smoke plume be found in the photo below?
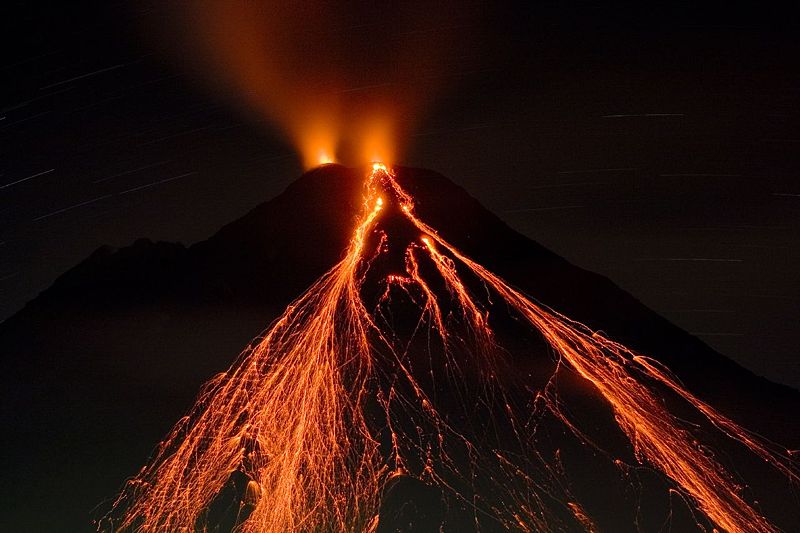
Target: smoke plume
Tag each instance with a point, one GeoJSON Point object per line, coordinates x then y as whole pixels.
{"type": "Point", "coordinates": [343, 81]}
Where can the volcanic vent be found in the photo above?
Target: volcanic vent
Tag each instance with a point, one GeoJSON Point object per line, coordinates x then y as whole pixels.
{"type": "Point", "coordinates": [410, 387]}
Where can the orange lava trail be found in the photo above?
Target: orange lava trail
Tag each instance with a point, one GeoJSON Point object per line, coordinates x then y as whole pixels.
{"type": "Point", "coordinates": [657, 436]}
{"type": "Point", "coordinates": [290, 415]}
{"type": "Point", "coordinates": [285, 416]}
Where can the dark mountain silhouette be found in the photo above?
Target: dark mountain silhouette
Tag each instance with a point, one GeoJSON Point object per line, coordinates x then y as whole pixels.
{"type": "Point", "coordinates": [100, 365]}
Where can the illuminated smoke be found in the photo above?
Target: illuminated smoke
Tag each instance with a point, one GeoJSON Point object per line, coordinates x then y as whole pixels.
{"type": "Point", "coordinates": [343, 82]}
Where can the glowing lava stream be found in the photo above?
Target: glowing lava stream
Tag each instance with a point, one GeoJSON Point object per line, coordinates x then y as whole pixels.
{"type": "Point", "coordinates": [290, 415]}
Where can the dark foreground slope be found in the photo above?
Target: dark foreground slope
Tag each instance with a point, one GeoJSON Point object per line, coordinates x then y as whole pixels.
{"type": "Point", "coordinates": [99, 366]}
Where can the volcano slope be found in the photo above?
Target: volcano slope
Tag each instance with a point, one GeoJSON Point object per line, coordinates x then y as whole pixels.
{"type": "Point", "coordinates": [101, 365]}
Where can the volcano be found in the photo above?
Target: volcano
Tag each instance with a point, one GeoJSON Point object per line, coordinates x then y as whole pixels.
{"type": "Point", "coordinates": [460, 426]}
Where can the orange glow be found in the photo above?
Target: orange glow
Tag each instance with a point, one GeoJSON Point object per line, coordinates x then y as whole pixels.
{"type": "Point", "coordinates": [324, 158]}
{"type": "Point", "coordinates": [288, 66]}
{"type": "Point", "coordinates": [317, 143]}
{"type": "Point", "coordinates": [290, 413]}
{"type": "Point", "coordinates": [377, 140]}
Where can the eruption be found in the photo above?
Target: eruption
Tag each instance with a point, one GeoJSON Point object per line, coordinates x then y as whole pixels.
{"type": "Point", "coordinates": [323, 414]}
{"type": "Point", "coordinates": [392, 367]}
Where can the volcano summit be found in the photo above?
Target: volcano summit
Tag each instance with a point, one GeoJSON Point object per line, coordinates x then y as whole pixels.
{"type": "Point", "coordinates": [442, 373]}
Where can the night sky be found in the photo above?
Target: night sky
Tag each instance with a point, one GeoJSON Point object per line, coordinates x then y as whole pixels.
{"type": "Point", "coordinates": [657, 146]}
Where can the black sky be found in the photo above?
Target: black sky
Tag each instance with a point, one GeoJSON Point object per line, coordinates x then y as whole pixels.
{"type": "Point", "coordinates": [658, 146]}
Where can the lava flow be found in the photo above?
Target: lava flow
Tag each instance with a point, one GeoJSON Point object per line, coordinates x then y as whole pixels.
{"type": "Point", "coordinates": [329, 406]}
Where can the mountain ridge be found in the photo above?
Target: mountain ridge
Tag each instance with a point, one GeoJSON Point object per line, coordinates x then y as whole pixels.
{"type": "Point", "coordinates": [230, 285]}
